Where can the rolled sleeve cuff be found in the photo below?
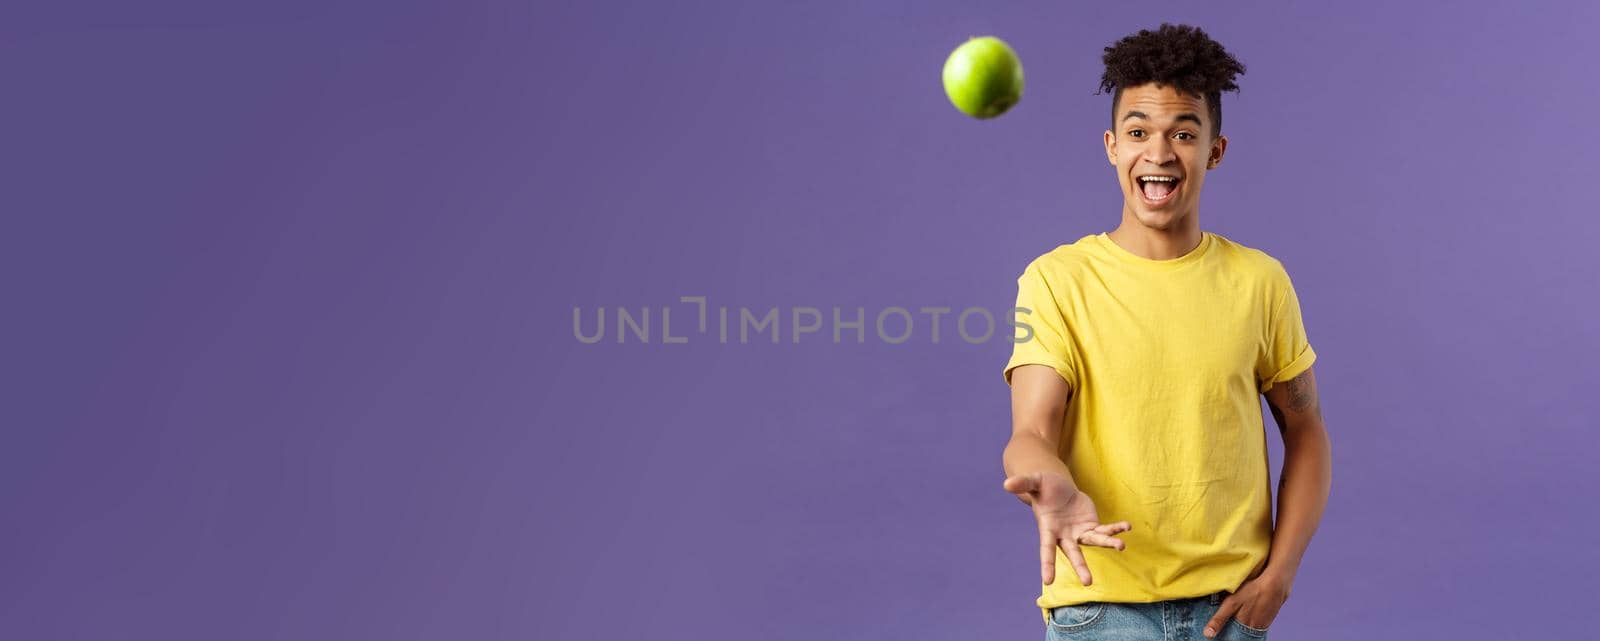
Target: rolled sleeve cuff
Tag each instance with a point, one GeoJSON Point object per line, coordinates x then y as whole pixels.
{"type": "Point", "coordinates": [1293, 369]}
{"type": "Point", "coordinates": [1059, 366]}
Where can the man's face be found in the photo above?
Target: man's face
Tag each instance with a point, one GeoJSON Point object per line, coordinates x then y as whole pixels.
{"type": "Point", "coordinates": [1161, 132]}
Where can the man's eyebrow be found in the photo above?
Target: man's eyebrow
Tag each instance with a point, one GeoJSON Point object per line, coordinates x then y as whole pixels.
{"type": "Point", "coordinates": [1191, 117]}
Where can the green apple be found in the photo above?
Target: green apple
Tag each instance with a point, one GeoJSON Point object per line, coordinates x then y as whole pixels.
{"type": "Point", "coordinates": [983, 77]}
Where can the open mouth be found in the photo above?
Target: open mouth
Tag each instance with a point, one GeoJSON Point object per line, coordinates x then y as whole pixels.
{"type": "Point", "coordinates": [1157, 189]}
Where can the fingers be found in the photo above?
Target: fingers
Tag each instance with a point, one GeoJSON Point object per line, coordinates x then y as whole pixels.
{"type": "Point", "coordinates": [1224, 612]}
{"type": "Point", "coordinates": [1047, 556]}
{"type": "Point", "coordinates": [1096, 538]}
{"type": "Point", "coordinates": [1103, 535]}
{"type": "Point", "coordinates": [1076, 556]}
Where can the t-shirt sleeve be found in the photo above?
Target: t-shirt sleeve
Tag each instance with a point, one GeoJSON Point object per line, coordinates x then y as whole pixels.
{"type": "Point", "coordinates": [1288, 353]}
{"type": "Point", "coordinates": [1040, 333]}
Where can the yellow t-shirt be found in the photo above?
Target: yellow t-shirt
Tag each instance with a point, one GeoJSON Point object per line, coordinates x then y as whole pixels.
{"type": "Point", "coordinates": [1165, 359]}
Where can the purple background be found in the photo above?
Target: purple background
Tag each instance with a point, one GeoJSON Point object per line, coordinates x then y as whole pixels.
{"type": "Point", "coordinates": [289, 292]}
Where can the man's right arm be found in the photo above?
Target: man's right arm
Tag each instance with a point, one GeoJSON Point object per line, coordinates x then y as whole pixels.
{"type": "Point", "coordinates": [1039, 399]}
{"type": "Point", "coordinates": [1038, 475]}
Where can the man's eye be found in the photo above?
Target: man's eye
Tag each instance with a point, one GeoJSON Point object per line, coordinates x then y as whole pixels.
{"type": "Point", "coordinates": [1185, 133]}
{"type": "Point", "coordinates": [1136, 133]}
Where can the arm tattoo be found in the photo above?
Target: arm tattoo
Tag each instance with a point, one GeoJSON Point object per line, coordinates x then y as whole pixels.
{"type": "Point", "coordinates": [1277, 415]}
{"type": "Point", "coordinates": [1301, 401]}
{"type": "Point", "coordinates": [1302, 398]}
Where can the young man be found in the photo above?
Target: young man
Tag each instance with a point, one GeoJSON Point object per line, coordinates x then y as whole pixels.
{"type": "Point", "coordinates": [1137, 433]}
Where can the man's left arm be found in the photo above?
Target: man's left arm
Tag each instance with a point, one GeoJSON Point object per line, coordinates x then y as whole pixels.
{"type": "Point", "coordinates": [1307, 472]}
{"type": "Point", "coordinates": [1302, 494]}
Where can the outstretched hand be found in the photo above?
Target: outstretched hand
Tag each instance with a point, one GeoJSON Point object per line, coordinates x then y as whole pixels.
{"type": "Point", "coordinates": [1067, 518]}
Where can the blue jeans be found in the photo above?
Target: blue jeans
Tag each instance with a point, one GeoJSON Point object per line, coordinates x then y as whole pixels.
{"type": "Point", "coordinates": [1174, 620]}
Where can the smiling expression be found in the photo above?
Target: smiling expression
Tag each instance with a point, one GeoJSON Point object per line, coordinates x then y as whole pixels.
{"type": "Point", "coordinates": [1163, 137]}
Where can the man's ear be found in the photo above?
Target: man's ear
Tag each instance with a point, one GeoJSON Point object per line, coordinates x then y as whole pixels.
{"type": "Point", "coordinates": [1111, 147]}
{"type": "Point", "coordinates": [1217, 149]}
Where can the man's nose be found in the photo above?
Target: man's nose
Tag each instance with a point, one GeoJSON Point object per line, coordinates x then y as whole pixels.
{"type": "Point", "coordinates": [1160, 152]}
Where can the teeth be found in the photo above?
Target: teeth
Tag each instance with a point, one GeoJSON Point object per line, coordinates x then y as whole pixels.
{"type": "Point", "coordinates": [1168, 179]}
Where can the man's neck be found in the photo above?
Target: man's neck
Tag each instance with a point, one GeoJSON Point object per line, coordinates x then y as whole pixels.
{"type": "Point", "coordinates": [1158, 244]}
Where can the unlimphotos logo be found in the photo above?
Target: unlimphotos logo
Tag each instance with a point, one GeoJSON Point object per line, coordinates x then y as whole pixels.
{"type": "Point", "coordinates": [894, 325]}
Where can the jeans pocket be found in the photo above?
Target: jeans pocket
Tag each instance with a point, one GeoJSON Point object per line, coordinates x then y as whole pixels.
{"type": "Point", "coordinates": [1260, 633]}
{"type": "Point", "coordinates": [1076, 617]}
